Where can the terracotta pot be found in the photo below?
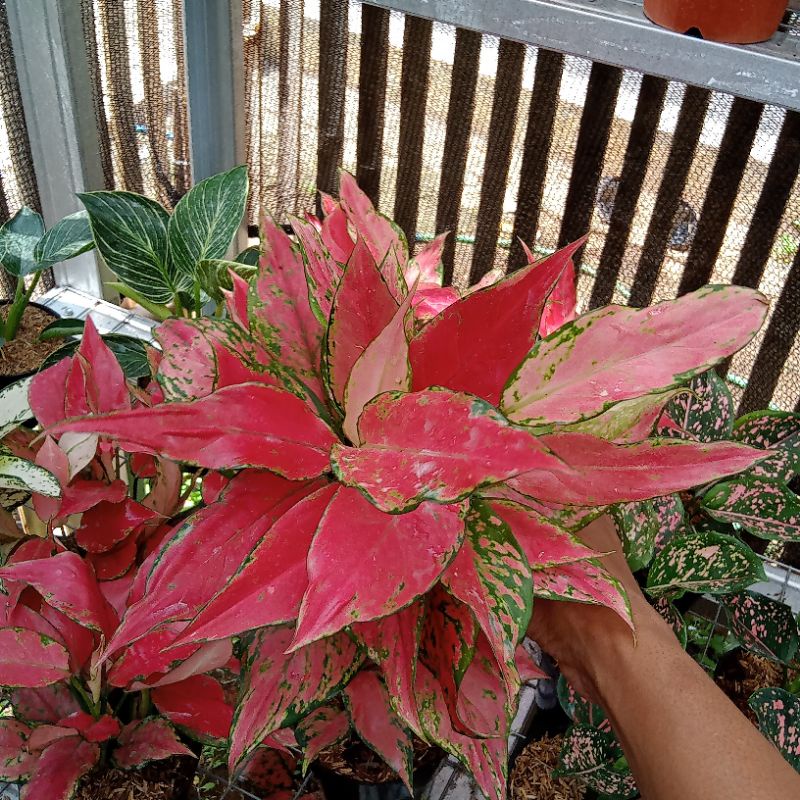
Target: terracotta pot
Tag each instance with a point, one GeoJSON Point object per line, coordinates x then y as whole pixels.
{"type": "Point", "coordinates": [735, 21]}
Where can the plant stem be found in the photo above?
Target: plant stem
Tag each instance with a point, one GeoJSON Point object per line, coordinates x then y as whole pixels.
{"type": "Point", "coordinates": [197, 308]}
{"type": "Point", "coordinates": [93, 708]}
{"type": "Point", "coordinates": [178, 305]}
{"type": "Point", "coordinates": [144, 703]}
{"type": "Point", "coordinates": [21, 300]}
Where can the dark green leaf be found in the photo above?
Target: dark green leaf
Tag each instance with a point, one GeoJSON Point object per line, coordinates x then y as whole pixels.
{"type": "Point", "coordinates": [671, 615]}
{"type": "Point", "coordinates": [580, 710]}
{"type": "Point", "coordinates": [704, 561]}
{"type": "Point", "coordinates": [772, 430]}
{"type": "Point", "coordinates": [130, 232]}
{"type": "Point", "coordinates": [706, 413]}
{"type": "Point", "coordinates": [62, 328]}
{"type": "Point", "coordinates": [205, 221]}
{"type": "Point", "coordinates": [763, 507]}
{"type": "Point", "coordinates": [249, 256]}
{"type": "Point", "coordinates": [66, 239]}
{"type": "Point", "coordinates": [763, 625]}
{"type": "Point", "coordinates": [638, 527]}
{"type": "Point", "coordinates": [130, 352]}
{"type": "Point", "coordinates": [18, 240]}
{"type": "Point", "coordinates": [778, 715]}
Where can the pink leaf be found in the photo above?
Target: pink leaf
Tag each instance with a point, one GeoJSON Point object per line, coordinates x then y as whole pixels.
{"type": "Point", "coordinates": [82, 495]}
{"type": "Point", "coordinates": [382, 367]}
{"type": "Point", "coordinates": [210, 656]}
{"type": "Point", "coordinates": [427, 265]}
{"type": "Point", "coordinates": [198, 704]}
{"type": "Point", "coordinates": [149, 656]}
{"type": "Point", "coordinates": [30, 659]}
{"type": "Point", "coordinates": [52, 458]}
{"type": "Point", "coordinates": [44, 735]}
{"type": "Point", "coordinates": [148, 740]}
{"type": "Point", "coordinates": [618, 353]}
{"type": "Point", "coordinates": [378, 725]}
{"type": "Point", "coordinates": [93, 730]}
{"type": "Point", "coordinates": [322, 728]}
{"type": "Point", "coordinates": [483, 704]}
{"type": "Point", "coordinates": [560, 307]}
{"type": "Point", "coordinates": [529, 670]}
{"type": "Point", "coordinates": [270, 584]}
{"type": "Point", "coordinates": [433, 445]}
{"type": "Point", "coordinates": [397, 556]}
{"type": "Point", "coordinates": [47, 392]}
{"type": "Point", "coordinates": [79, 640]}
{"type": "Point", "coordinates": [15, 762]}
{"type": "Point", "coordinates": [279, 688]}
{"type": "Point", "coordinates": [335, 234]}
{"type": "Point", "coordinates": [323, 272]}
{"type": "Point", "coordinates": [107, 524]}
{"type": "Point", "coordinates": [393, 644]}
{"type": "Point", "coordinates": [362, 308]}
{"type": "Point", "coordinates": [281, 314]}
{"type": "Point", "coordinates": [59, 768]}
{"type": "Point", "coordinates": [45, 704]}
{"type": "Point", "coordinates": [474, 344]}
{"type": "Point", "coordinates": [430, 302]}
{"type": "Point", "coordinates": [246, 425]}
{"type": "Point", "coordinates": [104, 381]}
{"type": "Point", "coordinates": [593, 472]}
{"type": "Point", "coordinates": [236, 300]}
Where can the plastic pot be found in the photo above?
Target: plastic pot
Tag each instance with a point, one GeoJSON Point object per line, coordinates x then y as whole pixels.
{"type": "Point", "coordinates": [7, 380]}
{"type": "Point", "coordinates": [735, 21]}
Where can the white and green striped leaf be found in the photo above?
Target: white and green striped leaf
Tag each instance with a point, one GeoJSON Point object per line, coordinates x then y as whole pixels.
{"type": "Point", "coordinates": [205, 221]}
{"type": "Point", "coordinates": [130, 232]}
{"type": "Point", "coordinates": [14, 406]}
{"type": "Point", "coordinates": [765, 508]}
{"type": "Point", "coordinates": [66, 239]}
{"type": "Point", "coordinates": [764, 625]}
{"type": "Point", "coordinates": [18, 239]}
{"type": "Point", "coordinates": [20, 475]}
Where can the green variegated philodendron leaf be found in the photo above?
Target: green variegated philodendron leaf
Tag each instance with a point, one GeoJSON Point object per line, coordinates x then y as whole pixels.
{"type": "Point", "coordinates": [638, 526]}
{"type": "Point", "coordinates": [703, 561]}
{"type": "Point", "coordinates": [778, 431]}
{"type": "Point", "coordinates": [764, 625]}
{"type": "Point", "coordinates": [205, 221]}
{"type": "Point", "coordinates": [705, 413]}
{"type": "Point", "coordinates": [19, 476]}
{"type": "Point", "coordinates": [14, 406]}
{"type": "Point", "coordinates": [66, 239]}
{"type": "Point", "coordinates": [778, 713]}
{"type": "Point", "coordinates": [765, 508]}
{"type": "Point", "coordinates": [18, 239]}
{"type": "Point", "coordinates": [215, 277]}
{"type": "Point", "coordinates": [130, 232]}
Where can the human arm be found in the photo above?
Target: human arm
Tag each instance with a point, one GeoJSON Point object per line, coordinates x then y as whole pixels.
{"type": "Point", "coordinates": [683, 738]}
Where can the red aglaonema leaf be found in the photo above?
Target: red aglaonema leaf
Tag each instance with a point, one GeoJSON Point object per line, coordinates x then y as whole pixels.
{"type": "Point", "coordinates": [118, 591]}
{"type": "Point", "coordinates": [335, 234]}
{"type": "Point", "coordinates": [104, 385]}
{"type": "Point", "coordinates": [269, 586]}
{"type": "Point", "coordinates": [427, 265]}
{"type": "Point", "coordinates": [47, 392]}
{"type": "Point", "coordinates": [529, 670]}
{"type": "Point", "coordinates": [52, 458]}
{"type": "Point", "coordinates": [475, 343]}
{"type": "Point", "coordinates": [67, 583]}
{"type": "Point", "coordinates": [323, 272]}
{"type": "Point", "coordinates": [16, 763]}
{"type": "Point", "coordinates": [93, 730]}
{"type": "Point", "coordinates": [398, 556]}
{"type": "Point", "coordinates": [116, 562]}
{"type": "Point", "coordinates": [78, 639]}
{"type": "Point", "coordinates": [561, 305]}
{"type": "Point", "coordinates": [59, 768]}
{"type": "Point", "coordinates": [433, 445]}
{"type": "Point", "coordinates": [486, 759]}
{"type": "Point", "coordinates": [148, 740]}
{"type": "Point", "coordinates": [197, 704]}
{"type": "Point", "coordinates": [246, 425]}
{"type": "Point", "coordinates": [382, 367]}
{"type": "Point", "coordinates": [379, 727]}
{"type": "Point", "coordinates": [179, 582]}
{"type": "Point", "coordinates": [393, 644]}
{"type": "Point", "coordinates": [582, 582]}
{"type": "Point", "coordinates": [428, 303]}
{"type": "Point", "coordinates": [107, 524]}
{"type": "Point", "coordinates": [618, 353]}
{"type": "Point", "coordinates": [484, 705]}
{"type": "Point", "coordinates": [322, 728]}
{"type": "Point", "coordinates": [210, 656]}
{"type": "Point", "coordinates": [593, 472]}
{"type": "Point", "coordinates": [490, 574]}
{"type": "Point", "coordinates": [45, 704]}
{"type": "Point", "coordinates": [362, 308]}
{"type": "Point", "coordinates": [281, 314]}
{"type": "Point", "coordinates": [447, 644]}
{"type": "Point", "coordinates": [44, 735]}
{"type": "Point", "coordinates": [236, 300]}
{"type": "Point", "coordinates": [82, 495]}
{"type": "Point", "coordinates": [280, 688]}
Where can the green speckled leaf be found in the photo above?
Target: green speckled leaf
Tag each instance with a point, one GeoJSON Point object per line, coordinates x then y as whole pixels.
{"type": "Point", "coordinates": [705, 414]}
{"type": "Point", "coordinates": [580, 710]}
{"type": "Point", "coordinates": [638, 526]}
{"type": "Point", "coordinates": [670, 614]}
{"type": "Point", "coordinates": [778, 714]}
{"type": "Point", "coordinates": [764, 625]}
{"type": "Point", "coordinates": [704, 561]}
{"type": "Point", "coordinates": [671, 518]}
{"type": "Point", "coordinates": [322, 728]}
{"type": "Point", "coordinates": [772, 430]}
{"type": "Point", "coordinates": [763, 507]}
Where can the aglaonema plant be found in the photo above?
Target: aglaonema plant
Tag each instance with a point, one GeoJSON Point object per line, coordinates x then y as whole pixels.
{"type": "Point", "coordinates": [405, 465]}
{"type": "Point", "coordinates": [102, 517]}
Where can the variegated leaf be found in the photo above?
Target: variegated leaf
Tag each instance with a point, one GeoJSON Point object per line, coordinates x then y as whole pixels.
{"type": "Point", "coordinates": [18, 239]}
{"type": "Point", "coordinates": [147, 740]}
{"type": "Point", "coordinates": [323, 272]}
{"type": "Point", "coordinates": [764, 625]}
{"type": "Point", "coordinates": [427, 265]}
{"type": "Point", "coordinates": [638, 526]}
{"type": "Point", "coordinates": [45, 704]}
{"type": "Point", "coordinates": [560, 307]}
{"type": "Point", "coordinates": [14, 405]}
{"type": "Point", "coordinates": [280, 688]}
{"type": "Point", "coordinates": [59, 767]}
{"type": "Point", "coordinates": [778, 431]}
{"type": "Point", "coordinates": [765, 508]}
{"type": "Point", "coordinates": [196, 704]}
{"type": "Point", "coordinates": [399, 556]}
{"type": "Point", "coordinates": [671, 615]}
{"type": "Point", "coordinates": [671, 518]}
{"type": "Point", "coordinates": [703, 561]}
{"type": "Point", "coordinates": [20, 475]}
{"type": "Point", "coordinates": [68, 238]}
{"type": "Point", "coordinates": [778, 713]}
{"type": "Point", "coordinates": [322, 728]}
{"type": "Point", "coordinates": [490, 574]}
{"type": "Point", "coordinates": [705, 413]}
{"type": "Point", "coordinates": [564, 379]}
{"type": "Point", "coordinates": [16, 763]}
{"type": "Point", "coordinates": [580, 710]}
{"type": "Point", "coordinates": [30, 659]}
{"type": "Point", "coordinates": [484, 706]}
{"type": "Point", "coordinates": [376, 722]}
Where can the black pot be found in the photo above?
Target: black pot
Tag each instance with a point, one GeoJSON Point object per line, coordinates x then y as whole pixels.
{"type": "Point", "coordinates": [7, 380]}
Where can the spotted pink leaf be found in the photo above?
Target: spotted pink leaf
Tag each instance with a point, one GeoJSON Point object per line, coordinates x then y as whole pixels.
{"type": "Point", "coordinates": [398, 556]}
{"type": "Point", "coordinates": [618, 353]}
{"type": "Point", "coordinates": [433, 445]}
{"type": "Point", "coordinates": [764, 625]}
{"type": "Point", "coordinates": [16, 763]}
{"type": "Point", "coordinates": [376, 722]}
{"type": "Point", "coordinates": [322, 728]}
{"type": "Point", "coordinates": [778, 432]}
{"type": "Point", "coordinates": [475, 343]}
{"type": "Point", "coordinates": [280, 688]}
{"type": "Point", "coordinates": [704, 413]}
{"type": "Point", "coordinates": [59, 767]}
{"type": "Point", "coordinates": [197, 704]}
{"type": "Point", "coordinates": [146, 740]}
{"type": "Point", "coordinates": [246, 425]}
{"type": "Point", "coordinates": [778, 713]}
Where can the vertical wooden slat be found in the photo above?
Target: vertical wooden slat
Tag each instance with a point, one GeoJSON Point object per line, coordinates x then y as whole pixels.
{"type": "Point", "coordinates": [372, 99]}
{"type": "Point", "coordinates": [681, 155]}
{"type": "Point", "coordinates": [413, 97]}
{"type": "Point", "coordinates": [7, 283]}
{"type": "Point", "coordinates": [456, 142]}
{"type": "Point", "coordinates": [332, 86]}
{"type": "Point", "coordinates": [634, 168]}
{"type": "Point", "coordinates": [508, 84]}
{"type": "Point", "coordinates": [536, 152]}
{"type": "Point", "coordinates": [180, 121]}
{"type": "Point", "coordinates": [593, 136]}
{"type": "Point", "coordinates": [777, 344]}
{"type": "Point", "coordinates": [290, 88]}
{"type": "Point", "coordinates": [729, 169]}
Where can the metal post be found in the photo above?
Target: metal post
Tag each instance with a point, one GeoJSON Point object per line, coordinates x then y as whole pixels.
{"type": "Point", "coordinates": [53, 73]}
